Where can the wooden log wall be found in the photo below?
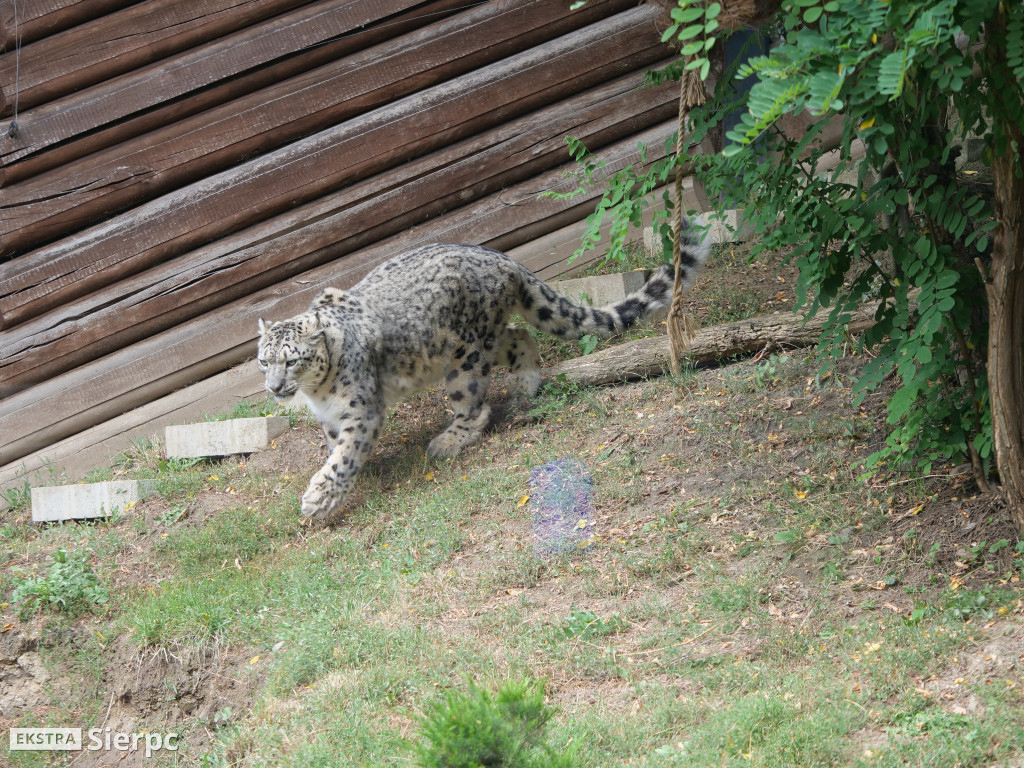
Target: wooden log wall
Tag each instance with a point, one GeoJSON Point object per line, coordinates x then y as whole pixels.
{"type": "Point", "coordinates": [181, 167]}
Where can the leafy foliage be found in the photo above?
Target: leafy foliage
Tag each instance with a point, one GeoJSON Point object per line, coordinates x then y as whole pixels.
{"type": "Point", "coordinates": [628, 195]}
{"type": "Point", "coordinates": [475, 729]}
{"type": "Point", "coordinates": [17, 500]}
{"type": "Point", "coordinates": [907, 81]}
{"type": "Point", "coordinates": [582, 624]}
{"type": "Point", "coordinates": [69, 586]}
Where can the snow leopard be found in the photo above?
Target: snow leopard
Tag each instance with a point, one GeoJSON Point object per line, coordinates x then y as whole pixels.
{"type": "Point", "coordinates": [438, 313]}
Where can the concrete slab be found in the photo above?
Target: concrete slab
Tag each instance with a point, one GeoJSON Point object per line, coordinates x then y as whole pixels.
{"type": "Point", "coordinates": [222, 438]}
{"type": "Point", "coordinates": [86, 500]}
{"type": "Point", "coordinates": [603, 289]}
{"type": "Point", "coordinates": [732, 230]}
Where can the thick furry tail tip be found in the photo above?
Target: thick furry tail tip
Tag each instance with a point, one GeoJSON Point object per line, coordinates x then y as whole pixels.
{"type": "Point", "coordinates": [694, 249]}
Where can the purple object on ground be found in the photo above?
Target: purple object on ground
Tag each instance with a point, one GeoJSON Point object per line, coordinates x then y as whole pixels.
{"type": "Point", "coordinates": [561, 496]}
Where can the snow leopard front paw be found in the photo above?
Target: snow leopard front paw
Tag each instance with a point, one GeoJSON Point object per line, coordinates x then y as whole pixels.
{"type": "Point", "coordinates": [322, 497]}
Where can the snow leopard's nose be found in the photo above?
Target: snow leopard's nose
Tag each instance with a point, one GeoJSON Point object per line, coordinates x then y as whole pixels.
{"type": "Point", "coordinates": [274, 384]}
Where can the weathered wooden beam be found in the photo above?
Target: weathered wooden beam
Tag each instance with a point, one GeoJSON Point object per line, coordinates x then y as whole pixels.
{"type": "Point", "coordinates": [39, 18]}
{"type": "Point", "coordinates": [193, 350]}
{"type": "Point", "coordinates": [201, 67]}
{"type": "Point", "coordinates": [303, 170]}
{"type": "Point", "coordinates": [93, 188]}
{"type": "Point", "coordinates": [166, 113]}
{"type": "Point", "coordinates": [323, 230]}
{"type": "Point", "coordinates": [111, 45]}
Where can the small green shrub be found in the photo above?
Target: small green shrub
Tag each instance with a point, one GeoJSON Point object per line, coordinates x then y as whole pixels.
{"type": "Point", "coordinates": [69, 586]}
{"type": "Point", "coordinates": [17, 500]}
{"type": "Point", "coordinates": [555, 396]}
{"type": "Point", "coordinates": [587, 625]}
{"type": "Point", "coordinates": [475, 729]}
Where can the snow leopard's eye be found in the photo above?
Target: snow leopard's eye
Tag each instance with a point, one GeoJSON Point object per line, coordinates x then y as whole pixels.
{"type": "Point", "coordinates": [290, 363]}
{"type": "Point", "coordinates": [261, 362]}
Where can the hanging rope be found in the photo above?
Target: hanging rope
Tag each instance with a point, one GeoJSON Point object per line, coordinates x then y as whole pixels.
{"type": "Point", "coordinates": [12, 130]}
{"type": "Point", "coordinates": [681, 325]}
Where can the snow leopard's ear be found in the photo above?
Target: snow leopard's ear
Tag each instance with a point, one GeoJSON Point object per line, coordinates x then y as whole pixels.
{"type": "Point", "coordinates": [263, 327]}
{"type": "Point", "coordinates": [311, 326]}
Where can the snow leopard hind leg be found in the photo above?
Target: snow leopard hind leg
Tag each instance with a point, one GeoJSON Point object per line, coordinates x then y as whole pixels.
{"type": "Point", "coordinates": [468, 377]}
{"type": "Point", "coordinates": [519, 352]}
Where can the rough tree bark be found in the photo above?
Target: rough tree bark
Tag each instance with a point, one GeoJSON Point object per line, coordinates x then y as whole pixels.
{"type": "Point", "coordinates": [1005, 287]}
{"type": "Point", "coordinates": [650, 357]}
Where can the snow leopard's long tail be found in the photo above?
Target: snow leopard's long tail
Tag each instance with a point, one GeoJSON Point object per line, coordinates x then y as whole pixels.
{"type": "Point", "coordinates": [544, 308]}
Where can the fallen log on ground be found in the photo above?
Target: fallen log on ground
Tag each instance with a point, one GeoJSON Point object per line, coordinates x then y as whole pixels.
{"type": "Point", "coordinates": [644, 358]}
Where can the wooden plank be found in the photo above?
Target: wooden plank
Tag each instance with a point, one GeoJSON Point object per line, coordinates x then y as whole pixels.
{"type": "Point", "coordinates": [103, 184]}
{"type": "Point", "coordinates": [111, 45]}
{"type": "Point", "coordinates": [278, 180]}
{"type": "Point", "coordinates": [300, 239]}
{"type": "Point", "coordinates": [150, 86]}
{"type": "Point", "coordinates": [37, 19]}
{"type": "Point", "coordinates": [72, 402]}
{"type": "Point", "coordinates": [165, 113]}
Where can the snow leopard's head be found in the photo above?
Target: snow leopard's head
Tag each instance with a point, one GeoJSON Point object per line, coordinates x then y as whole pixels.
{"type": "Point", "coordinates": [292, 355]}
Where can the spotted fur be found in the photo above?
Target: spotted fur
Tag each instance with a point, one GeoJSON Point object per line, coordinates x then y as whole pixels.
{"type": "Point", "coordinates": [437, 313]}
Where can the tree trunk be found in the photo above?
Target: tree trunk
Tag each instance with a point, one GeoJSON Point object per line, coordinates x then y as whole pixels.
{"type": "Point", "coordinates": [1006, 292]}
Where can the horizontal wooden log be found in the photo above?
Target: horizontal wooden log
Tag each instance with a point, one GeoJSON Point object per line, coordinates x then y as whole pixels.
{"type": "Point", "coordinates": [37, 19]}
{"type": "Point", "coordinates": [643, 358]}
{"type": "Point", "coordinates": [106, 183]}
{"type": "Point", "coordinates": [111, 45]}
{"type": "Point", "coordinates": [193, 350]}
{"type": "Point", "coordinates": [279, 180]}
{"type": "Point", "coordinates": [228, 269]}
{"type": "Point", "coordinates": [201, 67]}
{"type": "Point", "coordinates": [166, 113]}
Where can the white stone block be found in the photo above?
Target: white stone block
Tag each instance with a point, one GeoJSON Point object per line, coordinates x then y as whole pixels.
{"type": "Point", "coordinates": [86, 500]}
{"type": "Point", "coordinates": [737, 231]}
{"type": "Point", "coordinates": [602, 289]}
{"type": "Point", "coordinates": [731, 230]}
{"type": "Point", "coordinates": [222, 438]}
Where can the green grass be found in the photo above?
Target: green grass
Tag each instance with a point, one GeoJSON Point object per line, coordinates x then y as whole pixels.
{"type": "Point", "coordinates": [730, 610]}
